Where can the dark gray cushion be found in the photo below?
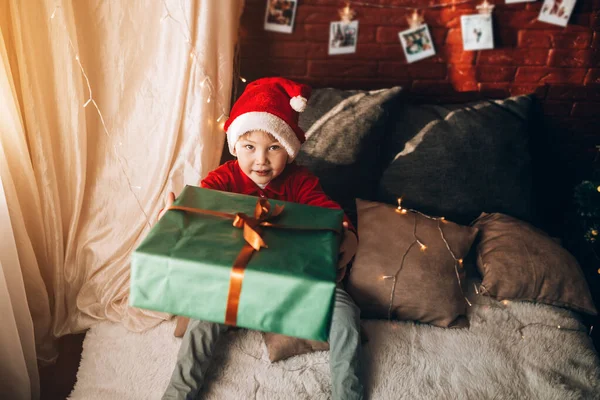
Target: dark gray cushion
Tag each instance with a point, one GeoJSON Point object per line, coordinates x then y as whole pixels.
{"type": "Point", "coordinates": [344, 132]}
{"type": "Point", "coordinates": [457, 161]}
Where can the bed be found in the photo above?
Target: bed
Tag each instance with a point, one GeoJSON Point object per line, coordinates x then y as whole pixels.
{"type": "Point", "coordinates": [402, 360]}
{"type": "Point", "coordinates": [534, 346]}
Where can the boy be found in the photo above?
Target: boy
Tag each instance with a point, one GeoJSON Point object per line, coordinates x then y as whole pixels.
{"type": "Point", "coordinates": [263, 133]}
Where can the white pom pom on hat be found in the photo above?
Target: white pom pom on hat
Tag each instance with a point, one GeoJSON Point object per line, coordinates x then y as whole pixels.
{"type": "Point", "coordinates": [298, 103]}
{"type": "Point", "coordinates": [271, 105]}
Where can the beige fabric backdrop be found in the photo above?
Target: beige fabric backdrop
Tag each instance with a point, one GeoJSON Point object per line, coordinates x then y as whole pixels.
{"type": "Point", "coordinates": [80, 187]}
{"type": "Point", "coordinates": [18, 367]}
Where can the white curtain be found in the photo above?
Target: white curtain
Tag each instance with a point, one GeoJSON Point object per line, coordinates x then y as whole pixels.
{"type": "Point", "coordinates": [104, 107]}
{"type": "Point", "coordinates": [18, 369]}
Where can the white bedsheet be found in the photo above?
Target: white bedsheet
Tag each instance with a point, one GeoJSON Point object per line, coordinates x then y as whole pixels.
{"type": "Point", "coordinates": [490, 360]}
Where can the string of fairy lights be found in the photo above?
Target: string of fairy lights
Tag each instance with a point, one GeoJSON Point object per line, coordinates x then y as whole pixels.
{"type": "Point", "coordinates": [453, 3]}
{"type": "Point", "coordinates": [92, 101]}
{"type": "Point", "coordinates": [504, 304]}
{"type": "Point", "coordinates": [206, 83]}
{"type": "Point", "coordinates": [417, 17]}
{"type": "Point", "coordinates": [458, 263]}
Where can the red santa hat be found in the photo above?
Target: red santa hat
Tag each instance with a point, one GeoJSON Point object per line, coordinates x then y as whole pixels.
{"type": "Point", "coordinates": [270, 105]}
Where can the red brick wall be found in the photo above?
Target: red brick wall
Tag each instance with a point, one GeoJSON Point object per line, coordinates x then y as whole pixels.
{"type": "Point", "coordinates": [561, 65]}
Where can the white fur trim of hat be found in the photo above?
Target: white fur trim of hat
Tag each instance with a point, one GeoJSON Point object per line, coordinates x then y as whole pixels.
{"type": "Point", "coordinates": [267, 122]}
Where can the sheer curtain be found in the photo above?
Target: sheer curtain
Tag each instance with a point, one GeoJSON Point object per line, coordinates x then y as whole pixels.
{"type": "Point", "coordinates": [105, 107]}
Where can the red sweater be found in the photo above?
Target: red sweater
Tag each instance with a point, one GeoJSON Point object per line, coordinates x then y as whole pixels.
{"type": "Point", "coordinates": [295, 184]}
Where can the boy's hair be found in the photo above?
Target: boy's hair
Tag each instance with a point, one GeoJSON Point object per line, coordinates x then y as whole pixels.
{"type": "Point", "coordinates": [245, 135]}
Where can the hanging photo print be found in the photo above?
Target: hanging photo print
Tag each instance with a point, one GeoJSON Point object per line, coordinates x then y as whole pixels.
{"type": "Point", "coordinates": [477, 32]}
{"type": "Point", "coordinates": [343, 37]}
{"type": "Point", "coordinates": [557, 12]}
{"type": "Point", "coordinates": [417, 43]}
{"type": "Point", "coordinates": [280, 15]}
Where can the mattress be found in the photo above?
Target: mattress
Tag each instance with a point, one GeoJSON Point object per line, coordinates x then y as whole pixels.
{"type": "Point", "coordinates": [517, 350]}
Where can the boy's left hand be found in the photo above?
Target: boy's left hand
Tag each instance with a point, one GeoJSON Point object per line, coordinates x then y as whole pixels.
{"type": "Point", "coordinates": [348, 247]}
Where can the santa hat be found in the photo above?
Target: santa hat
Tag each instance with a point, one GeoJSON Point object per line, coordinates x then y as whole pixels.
{"type": "Point", "coordinates": [270, 105]}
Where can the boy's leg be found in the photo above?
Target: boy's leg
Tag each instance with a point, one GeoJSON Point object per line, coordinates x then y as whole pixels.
{"type": "Point", "coordinates": [345, 346]}
{"type": "Point", "coordinates": [196, 351]}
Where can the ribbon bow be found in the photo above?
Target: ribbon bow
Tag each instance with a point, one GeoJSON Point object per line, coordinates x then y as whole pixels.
{"type": "Point", "coordinates": [262, 213]}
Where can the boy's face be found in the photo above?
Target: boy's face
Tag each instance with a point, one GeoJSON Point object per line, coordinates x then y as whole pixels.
{"type": "Point", "coordinates": [260, 156]}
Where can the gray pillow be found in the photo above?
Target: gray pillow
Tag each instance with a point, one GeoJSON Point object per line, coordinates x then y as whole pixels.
{"type": "Point", "coordinates": [430, 282]}
{"type": "Point", "coordinates": [520, 262]}
{"type": "Point", "coordinates": [457, 161]}
{"type": "Point", "coordinates": [344, 130]}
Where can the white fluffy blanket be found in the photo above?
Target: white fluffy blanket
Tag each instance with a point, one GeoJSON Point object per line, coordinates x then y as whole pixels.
{"type": "Point", "coordinates": [490, 360]}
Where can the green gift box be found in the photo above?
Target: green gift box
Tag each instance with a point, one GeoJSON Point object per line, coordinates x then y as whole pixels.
{"type": "Point", "coordinates": [185, 265]}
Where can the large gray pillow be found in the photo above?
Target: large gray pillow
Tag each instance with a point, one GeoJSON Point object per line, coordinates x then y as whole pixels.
{"type": "Point", "coordinates": [409, 266]}
{"type": "Point", "coordinates": [344, 131]}
{"type": "Point", "coordinates": [457, 161]}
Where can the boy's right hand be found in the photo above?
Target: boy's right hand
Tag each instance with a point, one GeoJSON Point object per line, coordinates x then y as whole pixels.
{"type": "Point", "coordinates": [169, 202]}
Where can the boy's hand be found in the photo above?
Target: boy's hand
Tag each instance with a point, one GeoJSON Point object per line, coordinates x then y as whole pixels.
{"type": "Point", "coordinates": [348, 247]}
{"type": "Point", "coordinates": [169, 202]}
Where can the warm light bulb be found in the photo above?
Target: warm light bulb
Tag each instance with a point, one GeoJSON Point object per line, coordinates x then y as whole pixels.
{"type": "Point", "coordinates": [598, 188]}
{"type": "Point", "coordinates": [423, 247]}
{"type": "Point", "coordinates": [594, 232]}
{"type": "Point", "coordinates": [208, 100]}
{"type": "Point", "coordinates": [460, 262]}
{"type": "Point", "coordinates": [242, 79]}
{"type": "Point", "coordinates": [346, 13]}
{"type": "Point", "coordinates": [505, 302]}
{"type": "Point", "coordinates": [415, 19]}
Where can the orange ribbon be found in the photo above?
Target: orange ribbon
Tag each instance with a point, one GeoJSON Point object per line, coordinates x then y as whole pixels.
{"type": "Point", "coordinates": [254, 242]}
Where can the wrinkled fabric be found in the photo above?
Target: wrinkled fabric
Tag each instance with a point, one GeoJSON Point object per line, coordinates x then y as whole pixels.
{"type": "Point", "coordinates": [18, 367]}
{"type": "Point", "coordinates": [106, 106]}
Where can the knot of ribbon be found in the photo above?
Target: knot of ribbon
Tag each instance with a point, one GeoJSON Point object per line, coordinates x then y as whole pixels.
{"type": "Point", "coordinates": [250, 225]}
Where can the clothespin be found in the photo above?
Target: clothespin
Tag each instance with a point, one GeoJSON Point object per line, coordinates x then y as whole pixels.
{"type": "Point", "coordinates": [485, 7]}
{"type": "Point", "coordinates": [346, 13]}
{"type": "Point", "coordinates": [415, 20]}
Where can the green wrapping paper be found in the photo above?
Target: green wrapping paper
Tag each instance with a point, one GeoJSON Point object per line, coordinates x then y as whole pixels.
{"type": "Point", "coordinates": [184, 265]}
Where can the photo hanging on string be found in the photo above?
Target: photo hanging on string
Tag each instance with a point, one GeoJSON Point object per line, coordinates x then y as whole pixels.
{"type": "Point", "coordinates": [280, 15]}
{"type": "Point", "coordinates": [343, 37]}
{"type": "Point", "coordinates": [417, 43]}
{"type": "Point", "coordinates": [557, 12]}
{"type": "Point", "coordinates": [477, 32]}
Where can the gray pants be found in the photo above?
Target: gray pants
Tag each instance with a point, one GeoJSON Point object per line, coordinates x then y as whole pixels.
{"type": "Point", "coordinates": [199, 343]}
